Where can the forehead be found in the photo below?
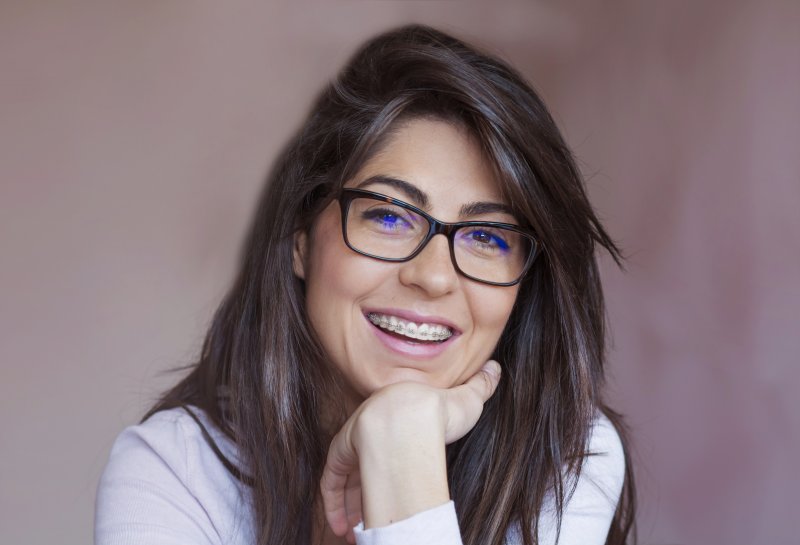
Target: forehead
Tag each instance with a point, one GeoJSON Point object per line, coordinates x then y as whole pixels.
{"type": "Point", "coordinates": [441, 159]}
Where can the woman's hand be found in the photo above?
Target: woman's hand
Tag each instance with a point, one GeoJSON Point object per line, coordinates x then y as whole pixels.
{"type": "Point", "coordinates": [388, 460]}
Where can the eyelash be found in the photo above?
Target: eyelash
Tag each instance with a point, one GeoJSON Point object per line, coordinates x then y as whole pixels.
{"type": "Point", "coordinates": [380, 213]}
{"type": "Point", "coordinates": [495, 241]}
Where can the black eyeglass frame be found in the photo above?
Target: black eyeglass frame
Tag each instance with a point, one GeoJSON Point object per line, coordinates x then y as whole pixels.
{"type": "Point", "coordinates": [435, 227]}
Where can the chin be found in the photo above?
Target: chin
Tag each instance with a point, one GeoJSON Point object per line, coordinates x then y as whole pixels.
{"type": "Point", "coordinates": [407, 374]}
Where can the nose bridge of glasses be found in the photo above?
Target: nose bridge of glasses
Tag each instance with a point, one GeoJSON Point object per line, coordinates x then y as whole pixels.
{"type": "Point", "coordinates": [441, 228]}
{"type": "Point", "coordinates": [437, 228]}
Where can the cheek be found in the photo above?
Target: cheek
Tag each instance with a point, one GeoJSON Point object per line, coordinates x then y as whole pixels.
{"type": "Point", "coordinates": [327, 274]}
{"type": "Point", "coordinates": [337, 280]}
{"type": "Point", "coordinates": [491, 310]}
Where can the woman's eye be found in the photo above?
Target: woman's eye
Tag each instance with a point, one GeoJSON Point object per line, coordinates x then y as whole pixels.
{"type": "Point", "coordinates": [487, 240]}
{"type": "Point", "coordinates": [386, 219]}
{"type": "Point", "coordinates": [389, 218]}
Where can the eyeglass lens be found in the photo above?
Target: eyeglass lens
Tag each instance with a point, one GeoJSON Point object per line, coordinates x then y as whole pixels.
{"type": "Point", "coordinates": [489, 253]}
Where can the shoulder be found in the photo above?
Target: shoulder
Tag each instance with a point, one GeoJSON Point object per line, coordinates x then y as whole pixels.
{"type": "Point", "coordinates": [173, 438]}
{"type": "Point", "coordinates": [605, 460]}
{"type": "Point", "coordinates": [168, 434]}
{"type": "Point", "coordinates": [598, 485]}
{"type": "Point", "coordinates": [596, 490]}
{"type": "Point", "coordinates": [164, 479]}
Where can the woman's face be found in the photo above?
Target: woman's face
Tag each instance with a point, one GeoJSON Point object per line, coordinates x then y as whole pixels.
{"type": "Point", "coordinates": [346, 291]}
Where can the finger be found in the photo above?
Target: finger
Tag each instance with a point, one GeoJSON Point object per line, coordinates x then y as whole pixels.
{"type": "Point", "coordinates": [341, 462]}
{"type": "Point", "coordinates": [353, 503]}
{"type": "Point", "coordinates": [465, 403]}
{"type": "Point", "coordinates": [484, 382]}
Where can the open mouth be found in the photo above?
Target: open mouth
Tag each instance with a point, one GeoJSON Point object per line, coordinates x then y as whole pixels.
{"type": "Point", "coordinates": [410, 331]}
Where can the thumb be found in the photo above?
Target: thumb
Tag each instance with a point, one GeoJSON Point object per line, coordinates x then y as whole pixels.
{"type": "Point", "coordinates": [341, 462]}
{"type": "Point", "coordinates": [483, 383]}
{"type": "Point", "coordinates": [465, 402]}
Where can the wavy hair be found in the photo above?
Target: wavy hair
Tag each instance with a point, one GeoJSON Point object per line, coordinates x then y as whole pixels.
{"type": "Point", "coordinates": [262, 378]}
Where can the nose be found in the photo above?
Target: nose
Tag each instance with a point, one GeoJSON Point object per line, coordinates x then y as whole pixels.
{"type": "Point", "coordinates": [432, 270]}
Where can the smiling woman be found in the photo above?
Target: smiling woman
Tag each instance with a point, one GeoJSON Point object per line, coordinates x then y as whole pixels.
{"type": "Point", "coordinates": [367, 380]}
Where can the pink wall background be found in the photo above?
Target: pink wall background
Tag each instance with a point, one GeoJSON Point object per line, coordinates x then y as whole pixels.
{"type": "Point", "coordinates": [134, 137]}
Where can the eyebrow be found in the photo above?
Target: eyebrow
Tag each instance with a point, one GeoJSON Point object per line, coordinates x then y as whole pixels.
{"type": "Point", "coordinates": [478, 208]}
{"type": "Point", "coordinates": [411, 191]}
{"type": "Point", "coordinates": [420, 198]}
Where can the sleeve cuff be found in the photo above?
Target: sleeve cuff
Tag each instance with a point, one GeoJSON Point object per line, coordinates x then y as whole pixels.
{"type": "Point", "coordinates": [436, 526]}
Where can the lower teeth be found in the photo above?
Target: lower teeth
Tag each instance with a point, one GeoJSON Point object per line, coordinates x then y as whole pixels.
{"type": "Point", "coordinates": [406, 338]}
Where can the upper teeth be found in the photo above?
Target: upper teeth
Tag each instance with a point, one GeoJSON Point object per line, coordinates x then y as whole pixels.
{"type": "Point", "coordinates": [423, 331]}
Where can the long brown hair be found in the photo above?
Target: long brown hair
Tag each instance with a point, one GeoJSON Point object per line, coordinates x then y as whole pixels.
{"type": "Point", "coordinates": [262, 377]}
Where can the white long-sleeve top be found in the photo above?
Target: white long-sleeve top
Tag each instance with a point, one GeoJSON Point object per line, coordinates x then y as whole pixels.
{"type": "Point", "coordinates": [164, 485]}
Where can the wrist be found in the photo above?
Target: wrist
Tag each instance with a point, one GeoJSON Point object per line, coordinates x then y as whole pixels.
{"type": "Point", "coordinates": [400, 438]}
{"type": "Point", "coordinates": [398, 483]}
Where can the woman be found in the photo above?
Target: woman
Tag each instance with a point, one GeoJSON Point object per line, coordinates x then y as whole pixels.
{"type": "Point", "coordinates": [368, 380]}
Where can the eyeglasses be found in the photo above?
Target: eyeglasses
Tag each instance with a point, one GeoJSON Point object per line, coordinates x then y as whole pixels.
{"type": "Point", "coordinates": [384, 228]}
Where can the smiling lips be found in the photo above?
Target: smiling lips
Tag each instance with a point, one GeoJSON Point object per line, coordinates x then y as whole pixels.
{"type": "Point", "coordinates": [418, 331]}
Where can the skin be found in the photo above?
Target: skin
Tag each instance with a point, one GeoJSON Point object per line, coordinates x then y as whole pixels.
{"type": "Point", "coordinates": [388, 461]}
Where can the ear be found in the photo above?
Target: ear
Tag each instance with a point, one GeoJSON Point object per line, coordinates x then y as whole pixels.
{"type": "Point", "coordinates": [299, 254]}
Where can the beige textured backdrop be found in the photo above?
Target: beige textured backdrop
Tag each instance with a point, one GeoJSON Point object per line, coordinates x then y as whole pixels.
{"type": "Point", "coordinates": [134, 137]}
